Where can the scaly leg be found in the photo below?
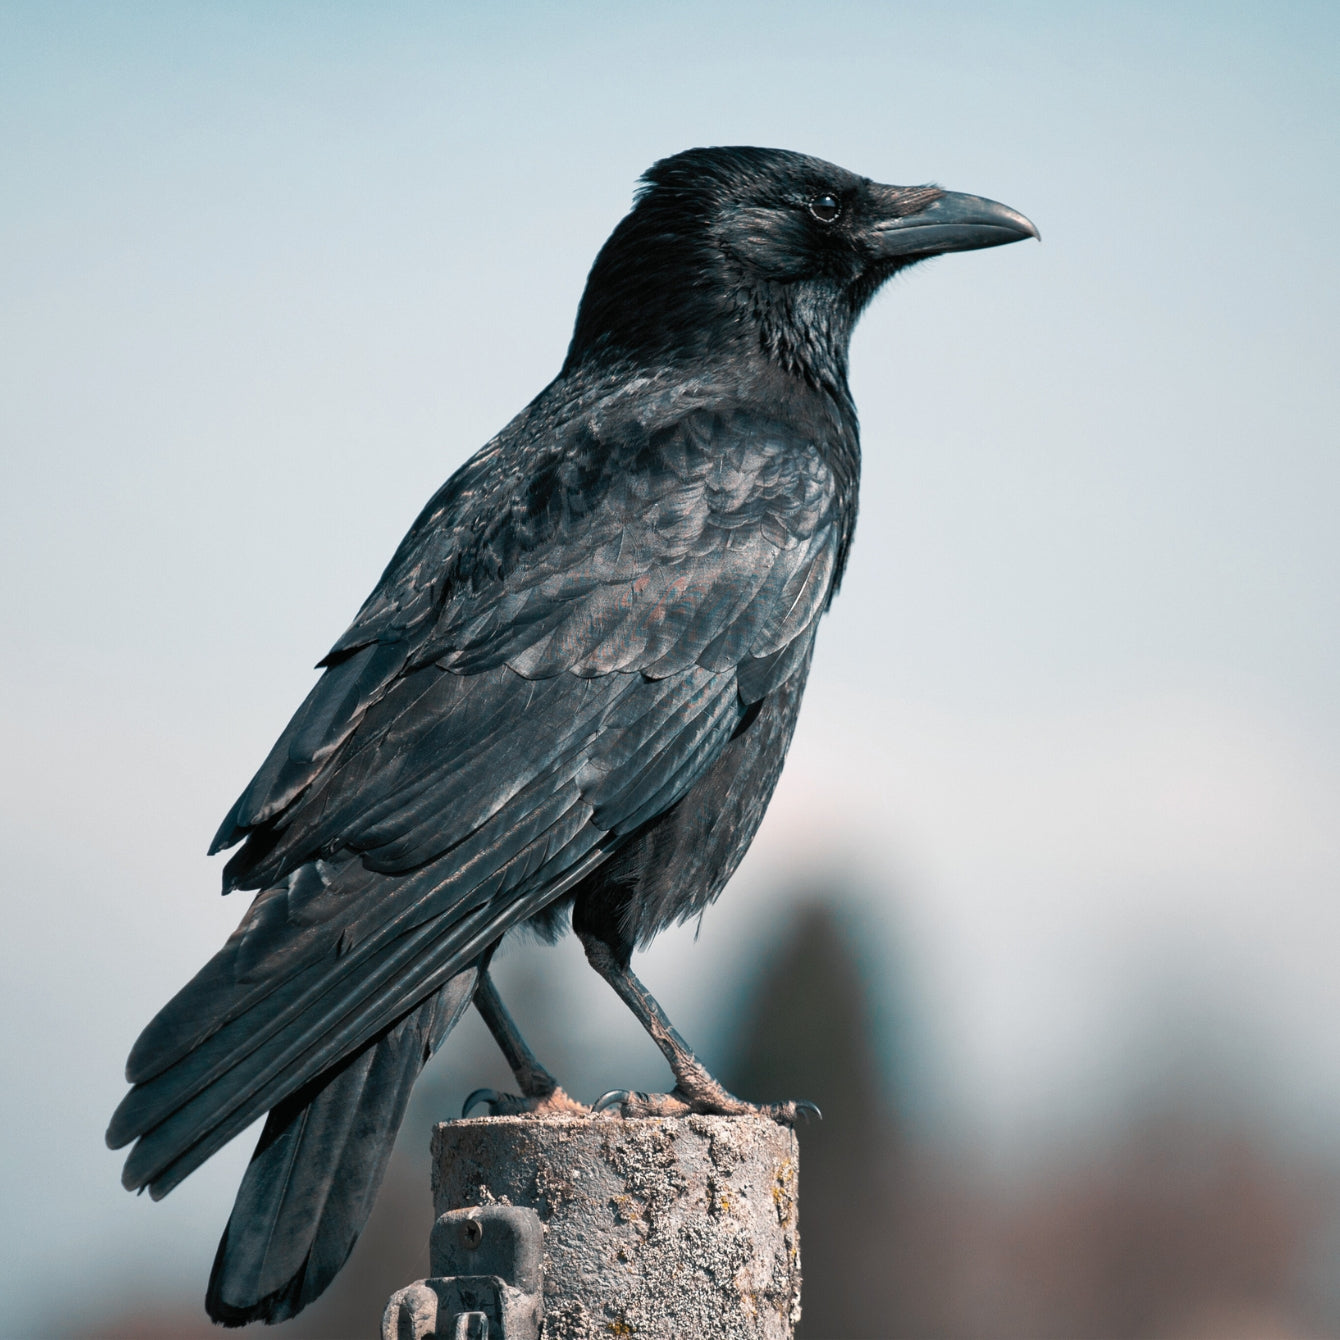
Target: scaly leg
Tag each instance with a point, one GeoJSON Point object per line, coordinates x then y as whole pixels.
{"type": "Point", "coordinates": [695, 1088]}
{"type": "Point", "coordinates": [540, 1091]}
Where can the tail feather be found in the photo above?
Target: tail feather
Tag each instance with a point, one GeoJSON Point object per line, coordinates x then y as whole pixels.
{"type": "Point", "coordinates": [317, 1168]}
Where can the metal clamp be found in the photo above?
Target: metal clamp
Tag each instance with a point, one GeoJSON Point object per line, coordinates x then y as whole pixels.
{"type": "Point", "coordinates": [487, 1281]}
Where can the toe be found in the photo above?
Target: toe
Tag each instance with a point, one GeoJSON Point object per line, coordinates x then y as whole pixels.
{"type": "Point", "coordinates": [656, 1105]}
{"type": "Point", "coordinates": [557, 1103]}
{"type": "Point", "coordinates": [788, 1114]}
{"type": "Point", "coordinates": [498, 1104]}
{"type": "Point", "coordinates": [634, 1103]}
{"type": "Point", "coordinates": [489, 1096]}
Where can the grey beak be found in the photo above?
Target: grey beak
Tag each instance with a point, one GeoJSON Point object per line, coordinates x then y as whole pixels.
{"type": "Point", "coordinates": [949, 222]}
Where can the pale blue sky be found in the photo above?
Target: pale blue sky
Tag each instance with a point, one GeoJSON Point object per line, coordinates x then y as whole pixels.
{"type": "Point", "coordinates": [268, 274]}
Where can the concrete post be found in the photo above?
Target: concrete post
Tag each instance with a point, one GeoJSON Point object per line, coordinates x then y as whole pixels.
{"type": "Point", "coordinates": [661, 1228]}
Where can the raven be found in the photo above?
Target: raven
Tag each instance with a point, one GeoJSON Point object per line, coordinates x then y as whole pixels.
{"type": "Point", "coordinates": [568, 698]}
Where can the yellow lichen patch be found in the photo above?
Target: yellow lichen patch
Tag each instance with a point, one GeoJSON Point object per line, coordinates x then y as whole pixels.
{"type": "Point", "coordinates": [619, 1327]}
{"type": "Point", "coordinates": [626, 1208]}
{"type": "Point", "coordinates": [784, 1191]}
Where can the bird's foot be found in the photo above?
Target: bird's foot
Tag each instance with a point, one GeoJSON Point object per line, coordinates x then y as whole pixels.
{"type": "Point", "coordinates": [553, 1103]}
{"type": "Point", "coordinates": [717, 1103]}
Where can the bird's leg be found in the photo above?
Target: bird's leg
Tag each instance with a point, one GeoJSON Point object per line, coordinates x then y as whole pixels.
{"type": "Point", "coordinates": [696, 1090]}
{"type": "Point", "coordinates": [532, 1078]}
{"type": "Point", "coordinates": [540, 1091]}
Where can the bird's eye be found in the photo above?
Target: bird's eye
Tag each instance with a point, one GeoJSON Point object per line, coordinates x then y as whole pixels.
{"type": "Point", "coordinates": [825, 207]}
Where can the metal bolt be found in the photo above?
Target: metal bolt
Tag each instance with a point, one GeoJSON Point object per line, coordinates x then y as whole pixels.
{"type": "Point", "coordinates": [472, 1233]}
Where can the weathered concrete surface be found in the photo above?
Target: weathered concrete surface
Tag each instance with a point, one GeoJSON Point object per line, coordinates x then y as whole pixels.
{"type": "Point", "coordinates": [657, 1227]}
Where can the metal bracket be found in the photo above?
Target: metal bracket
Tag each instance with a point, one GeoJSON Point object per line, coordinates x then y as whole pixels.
{"type": "Point", "coordinates": [487, 1281]}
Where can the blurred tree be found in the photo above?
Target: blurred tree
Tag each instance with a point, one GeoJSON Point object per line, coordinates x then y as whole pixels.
{"type": "Point", "coordinates": [869, 1244]}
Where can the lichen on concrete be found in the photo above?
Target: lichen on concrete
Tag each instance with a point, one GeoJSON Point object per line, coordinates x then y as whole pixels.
{"type": "Point", "coordinates": [655, 1227]}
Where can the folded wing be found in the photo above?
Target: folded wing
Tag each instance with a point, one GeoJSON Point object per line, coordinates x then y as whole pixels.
{"type": "Point", "coordinates": [564, 643]}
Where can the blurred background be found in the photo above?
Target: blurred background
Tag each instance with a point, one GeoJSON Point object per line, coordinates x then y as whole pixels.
{"type": "Point", "coordinates": [1046, 911]}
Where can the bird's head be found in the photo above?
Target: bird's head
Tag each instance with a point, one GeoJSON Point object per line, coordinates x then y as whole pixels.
{"type": "Point", "coordinates": [745, 250]}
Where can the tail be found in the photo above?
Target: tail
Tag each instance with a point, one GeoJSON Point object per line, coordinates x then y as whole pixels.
{"type": "Point", "coordinates": [315, 1173]}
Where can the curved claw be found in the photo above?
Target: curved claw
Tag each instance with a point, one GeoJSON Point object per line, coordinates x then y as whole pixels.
{"type": "Point", "coordinates": [489, 1096]}
{"type": "Point", "coordinates": [804, 1107]}
{"type": "Point", "coordinates": [615, 1097]}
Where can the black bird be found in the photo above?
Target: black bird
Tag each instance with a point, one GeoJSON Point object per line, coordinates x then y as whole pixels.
{"type": "Point", "coordinates": [569, 696]}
